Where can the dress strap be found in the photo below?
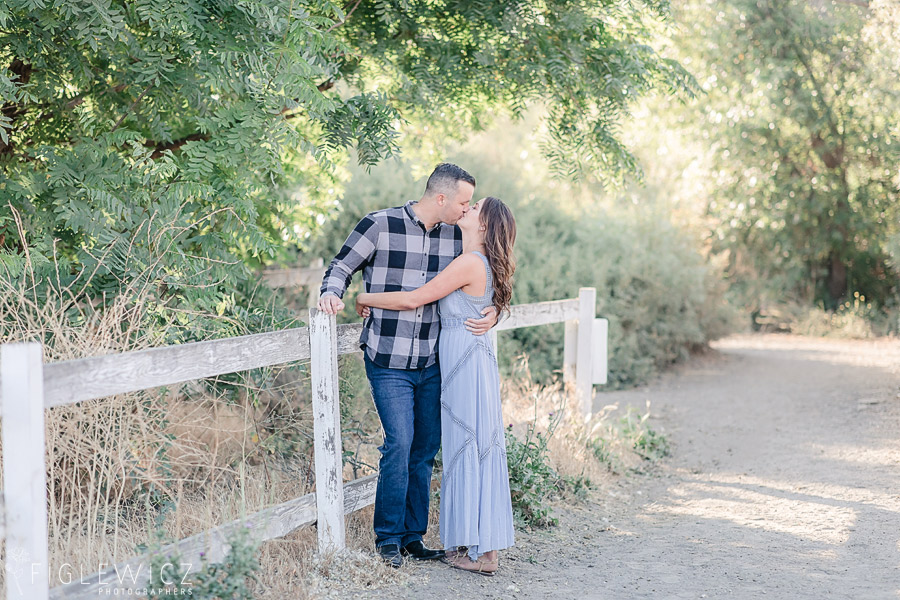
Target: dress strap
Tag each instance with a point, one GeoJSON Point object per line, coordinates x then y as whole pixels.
{"type": "Point", "coordinates": [487, 268]}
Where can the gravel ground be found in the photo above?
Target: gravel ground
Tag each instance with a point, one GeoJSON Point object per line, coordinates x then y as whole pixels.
{"type": "Point", "coordinates": [783, 483]}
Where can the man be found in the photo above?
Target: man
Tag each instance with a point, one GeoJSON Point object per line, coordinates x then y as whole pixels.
{"type": "Point", "coordinates": [400, 249]}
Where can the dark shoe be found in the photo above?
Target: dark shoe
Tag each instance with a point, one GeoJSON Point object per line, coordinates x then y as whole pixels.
{"type": "Point", "coordinates": [417, 551]}
{"type": "Point", "coordinates": [390, 554]}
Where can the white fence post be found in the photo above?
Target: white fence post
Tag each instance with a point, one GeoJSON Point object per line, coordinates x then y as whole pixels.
{"type": "Point", "coordinates": [600, 354]}
{"type": "Point", "coordinates": [570, 351]}
{"type": "Point", "coordinates": [327, 431]}
{"type": "Point", "coordinates": [587, 300]}
{"type": "Point", "coordinates": [24, 477]}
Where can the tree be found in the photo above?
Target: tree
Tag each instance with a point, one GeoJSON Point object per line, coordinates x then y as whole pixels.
{"type": "Point", "coordinates": [801, 110]}
{"type": "Point", "coordinates": [190, 142]}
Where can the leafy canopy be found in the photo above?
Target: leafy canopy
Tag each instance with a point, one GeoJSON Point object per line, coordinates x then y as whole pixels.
{"type": "Point", "coordinates": [801, 109]}
{"type": "Point", "coordinates": [189, 142]}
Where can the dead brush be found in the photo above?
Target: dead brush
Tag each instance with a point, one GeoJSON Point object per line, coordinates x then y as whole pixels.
{"type": "Point", "coordinates": [583, 453]}
{"type": "Point", "coordinates": [181, 460]}
{"type": "Point", "coordinates": [189, 458]}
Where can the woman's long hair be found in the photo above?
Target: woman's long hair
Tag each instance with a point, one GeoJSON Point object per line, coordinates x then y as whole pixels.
{"type": "Point", "coordinates": [499, 238]}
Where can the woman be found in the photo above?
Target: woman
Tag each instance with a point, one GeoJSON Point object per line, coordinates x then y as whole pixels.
{"type": "Point", "coordinates": [476, 510]}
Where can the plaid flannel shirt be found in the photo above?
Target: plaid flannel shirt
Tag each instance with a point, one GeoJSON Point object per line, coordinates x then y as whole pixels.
{"type": "Point", "coordinates": [396, 254]}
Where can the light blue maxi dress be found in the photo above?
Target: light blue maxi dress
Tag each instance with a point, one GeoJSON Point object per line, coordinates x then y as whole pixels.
{"type": "Point", "coordinates": [476, 509]}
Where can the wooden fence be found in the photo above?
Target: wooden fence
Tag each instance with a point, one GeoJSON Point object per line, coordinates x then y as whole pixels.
{"type": "Point", "coordinates": [304, 277]}
{"type": "Point", "coordinates": [28, 387]}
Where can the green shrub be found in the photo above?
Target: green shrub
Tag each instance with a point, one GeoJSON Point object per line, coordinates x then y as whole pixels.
{"type": "Point", "coordinates": [856, 319]}
{"type": "Point", "coordinates": [661, 298]}
{"type": "Point", "coordinates": [601, 448]}
{"type": "Point", "coordinates": [648, 443]}
{"type": "Point", "coordinates": [531, 478]}
{"type": "Point", "coordinates": [226, 580]}
{"type": "Point", "coordinates": [653, 286]}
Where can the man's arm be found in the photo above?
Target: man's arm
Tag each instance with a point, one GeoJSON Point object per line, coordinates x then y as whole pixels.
{"type": "Point", "coordinates": [461, 272]}
{"type": "Point", "coordinates": [357, 250]}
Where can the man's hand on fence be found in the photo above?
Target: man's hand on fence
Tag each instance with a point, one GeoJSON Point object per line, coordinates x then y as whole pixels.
{"type": "Point", "coordinates": [484, 324]}
{"type": "Point", "coordinates": [331, 304]}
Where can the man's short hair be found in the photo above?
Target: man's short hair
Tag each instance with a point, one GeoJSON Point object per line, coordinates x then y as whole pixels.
{"type": "Point", "coordinates": [444, 177]}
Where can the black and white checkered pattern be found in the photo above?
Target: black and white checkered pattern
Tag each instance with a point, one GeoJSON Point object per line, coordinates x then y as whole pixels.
{"type": "Point", "coordinates": [396, 254]}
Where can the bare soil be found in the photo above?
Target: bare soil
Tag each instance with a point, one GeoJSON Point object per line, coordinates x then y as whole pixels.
{"type": "Point", "coordinates": [784, 482]}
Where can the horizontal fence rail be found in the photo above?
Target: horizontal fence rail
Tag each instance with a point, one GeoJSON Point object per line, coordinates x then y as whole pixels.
{"type": "Point", "coordinates": [541, 313]}
{"type": "Point", "coordinates": [287, 278]}
{"type": "Point", "coordinates": [72, 381]}
{"type": "Point", "coordinates": [98, 377]}
{"type": "Point", "coordinates": [309, 277]}
{"type": "Point", "coordinates": [269, 524]}
{"type": "Point", "coordinates": [28, 387]}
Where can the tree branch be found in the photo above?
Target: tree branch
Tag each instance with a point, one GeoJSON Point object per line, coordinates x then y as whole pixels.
{"type": "Point", "coordinates": [336, 25]}
{"type": "Point", "coordinates": [820, 99]}
{"type": "Point", "coordinates": [159, 148]}
{"type": "Point", "coordinates": [13, 110]}
{"type": "Point", "coordinates": [77, 100]}
{"type": "Point", "coordinates": [131, 108]}
{"type": "Point", "coordinates": [175, 144]}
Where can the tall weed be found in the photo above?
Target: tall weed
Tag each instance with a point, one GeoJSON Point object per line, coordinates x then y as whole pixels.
{"type": "Point", "coordinates": [181, 460]}
{"type": "Point", "coordinates": [552, 452]}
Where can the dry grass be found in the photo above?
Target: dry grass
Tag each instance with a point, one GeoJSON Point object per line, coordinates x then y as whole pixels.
{"type": "Point", "coordinates": [572, 444]}
{"type": "Point", "coordinates": [186, 459]}
{"type": "Point", "coordinates": [183, 460]}
{"type": "Point", "coordinates": [291, 567]}
{"type": "Point", "coordinates": [180, 460]}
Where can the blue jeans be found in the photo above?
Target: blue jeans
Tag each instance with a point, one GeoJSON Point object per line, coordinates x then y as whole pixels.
{"type": "Point", "coordinates": [409, 406]}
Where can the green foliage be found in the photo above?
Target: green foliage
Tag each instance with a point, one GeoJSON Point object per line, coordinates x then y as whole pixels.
{"type": "Point", "coordinates": [533, 480]}
{"type": "Point", "coordinates": [660, 295]}
{"type": "Point", "coordinates": [577, 485]}
{"type": "Point", "coordinates": [646, 442]}
{"type": "Point", "coordinates": [142, 143]}
{"type": "Point", "coordinates": [531, 477]}
{"type": "Point", "coordinates": [801, 111]}
{"type": "Point", "coordinates": [360, 425]}
{"type": "Point", "coordinates": [856, 318]}
{"type": "Point", "coordinates": [459, 58]}
{"type": "Point", "coordinates": [661, 298]}
{"type": "Point", "coordinates": [227, 580]}
{"type": "Point", "coordinates": [188, 144]}
{"type": "Point", "coordinates": [600, 448]}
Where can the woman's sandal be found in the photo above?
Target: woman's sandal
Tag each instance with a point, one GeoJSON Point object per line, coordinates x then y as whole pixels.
{"type": "Point", "coordinates": [451, 555]}
{"type": "Point", "coordinates": [481, 565]}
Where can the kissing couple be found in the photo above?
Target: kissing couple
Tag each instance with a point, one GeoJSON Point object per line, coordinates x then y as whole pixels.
{"type": "Point", "coordinates": [437, 274]}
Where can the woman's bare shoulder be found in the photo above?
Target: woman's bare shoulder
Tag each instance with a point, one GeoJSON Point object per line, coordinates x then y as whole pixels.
{"type": "Point", "coordinates": [467, 261]}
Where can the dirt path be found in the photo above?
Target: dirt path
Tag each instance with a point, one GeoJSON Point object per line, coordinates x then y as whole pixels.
{"type": "Point", "coordinates": [784, 483]}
